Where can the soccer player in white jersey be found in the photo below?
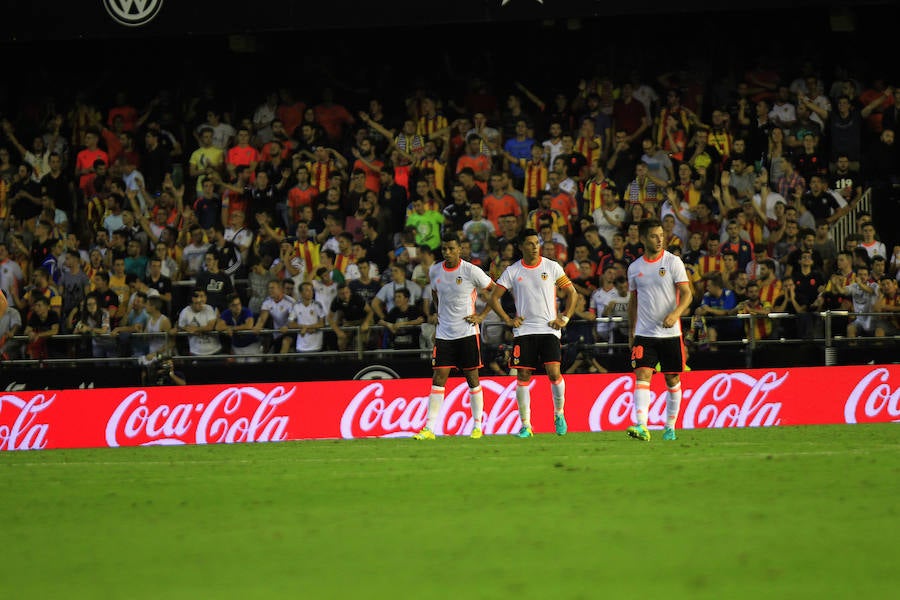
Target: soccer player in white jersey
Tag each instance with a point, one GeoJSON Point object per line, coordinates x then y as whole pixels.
{"type": "Point", "coordinates": [454, 287]}
{"type": "Point", "coordinates": [660, 292]}
{"type": "Point", "coordinates": [533, 282]}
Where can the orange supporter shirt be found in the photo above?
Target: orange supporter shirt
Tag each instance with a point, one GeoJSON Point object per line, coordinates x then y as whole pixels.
{"type": "Point", "coordinates": [332, 118]}
{"type": "Point", "coordinates": [85, 160]}
{"type": "Point", "coordinates": [480, 163]}
{"type": "Point", "coordinates": [239, 156]}
{"type": "Point", "coordinates": [291, 115]}
{"type": "Point", "coordinates": [373, 177]}
{"type": "Point", "coordinates": [565, 204]}
{"type": "Point", "coordinates": [495, 207]}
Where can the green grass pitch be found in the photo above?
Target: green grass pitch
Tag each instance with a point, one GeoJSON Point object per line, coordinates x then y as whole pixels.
{"type": "Point", "coordinates": [785, 512]}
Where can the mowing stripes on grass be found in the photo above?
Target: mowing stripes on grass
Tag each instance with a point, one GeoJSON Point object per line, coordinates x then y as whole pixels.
{"type": "Point", "coordinates": [800, 511]}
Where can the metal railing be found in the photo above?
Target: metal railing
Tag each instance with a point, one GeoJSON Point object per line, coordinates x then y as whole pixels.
{"type": "Point", "coordinates": [374, 342]}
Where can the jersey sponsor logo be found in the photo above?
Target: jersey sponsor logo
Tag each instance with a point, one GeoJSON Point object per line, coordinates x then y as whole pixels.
{"type": "Point", "coordinates": [133, 13]}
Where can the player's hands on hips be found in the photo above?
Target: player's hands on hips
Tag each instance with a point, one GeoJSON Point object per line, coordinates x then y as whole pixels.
{"type": "Point", "coordinates": [557, 323]}
{"type": "Point", "coordinates": [516, 322]}
{"type": "Point", "coordinates": [475, 319]}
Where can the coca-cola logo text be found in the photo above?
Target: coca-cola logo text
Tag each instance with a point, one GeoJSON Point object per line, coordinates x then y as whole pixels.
{"type": "Point", "coordinates": [369, 414]}
{"type": "Point", "coordinates": [227, 418]}
{"type": "Point", "coordinates": [723, 400]}
{"type": "Point", "coordinates": [872, 399]}
{"type": "Point", "coordinates": [23, 432]}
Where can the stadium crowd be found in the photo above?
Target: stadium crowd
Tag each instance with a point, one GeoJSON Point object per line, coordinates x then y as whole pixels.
{"type": "Point", "coordinates": [274, 229]}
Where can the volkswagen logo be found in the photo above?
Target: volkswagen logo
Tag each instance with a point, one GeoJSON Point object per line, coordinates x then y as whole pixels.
{"type": "Point", "coordinates": [133, 13]}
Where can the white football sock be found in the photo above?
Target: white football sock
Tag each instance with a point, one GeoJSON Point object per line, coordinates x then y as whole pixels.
{"type": "Point", "coordinates": [641, 401]}
{"type": "Point", "coordinates": [673, 403]}
{"type": "Point", "coordinates": [558, 390]}
{"type": "Point", "coordinates": [476, 399]}
{"type": "Point", "coordinates": [434, 405]}
{"type": "Point", "coordinates": [523, 399]}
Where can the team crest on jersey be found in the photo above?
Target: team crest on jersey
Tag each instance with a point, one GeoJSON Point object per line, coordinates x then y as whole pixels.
{"type": "Point", "coordinates": [662, 271]}
{"type": "Point", "coordinates": [459, 281]}
{"type": "Point", "coordinates": [544, 276]}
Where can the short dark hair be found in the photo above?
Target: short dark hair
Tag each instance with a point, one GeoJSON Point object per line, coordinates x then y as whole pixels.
{"type": "Point", "coordinates": [646, 225]}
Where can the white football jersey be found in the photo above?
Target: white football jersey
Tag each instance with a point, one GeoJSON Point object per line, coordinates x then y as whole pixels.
{"type": "Point", "coordinates": [457, 291]}
{"type": "Point", "coordinates": [308, 314]}
{"type": "Point", "coordinates": [280, 311]}
{"type": "Point", "coordinates": [657, 294]}
{"type": "Point", "coordinates": [534, 290]}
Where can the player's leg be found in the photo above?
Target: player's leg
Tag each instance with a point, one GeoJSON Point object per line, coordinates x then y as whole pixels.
{"type": "Point", "coordinates": [523, 400]}
{"type": "Point", "coordinates": [476, 400]}
{"type": "Point", "coordinates": [441, 362]}
{"type": "Point", "coordinates": [643, 361]}
{"type": "Point", "coordinates": [673, 404]}
{"type": "Point", "coordinates": [672, 361]}
{"type": "Point", "coordinates": [435, 400]}
{"type": "Point", "coordinates": [558, 391]}
{"type": "Point", "coordinates": [524, 360]}
{"type": "Point", "coordinates": [468, 360]}
{"type": "Point", "coordinates": [551, 354]}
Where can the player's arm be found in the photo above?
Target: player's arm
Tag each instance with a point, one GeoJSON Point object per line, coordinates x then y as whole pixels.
{"type": "Point", "coordinates": [494, 303]}
{"type": "Point", "coordinates": [632, 316]}
{"type": "Point", "coordinates": [568, 288]}
{"type": "Point", "coordinates": [478, 318]}
{"type": "Point", "coordinates": [3, 304]}
{"type": "Point", "coordinates": [685, 297]}
{"type": "Point", "coordinates": [431, 309]}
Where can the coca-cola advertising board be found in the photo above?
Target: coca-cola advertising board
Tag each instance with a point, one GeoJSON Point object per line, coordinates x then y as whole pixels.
{"type": "Point", "coordinates": [269, 412]}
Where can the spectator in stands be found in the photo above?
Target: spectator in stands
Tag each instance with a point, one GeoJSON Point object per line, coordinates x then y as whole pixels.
{"type": "Point", "coordinates": [237, 323]}
{"type": "Point", "coordinates": [384, 300]}
{"type": "Point", "coordinates": [887, 301]}
{"type": "Point", "coordinates": [863, 294]}
{"type": "Point", "coordinates": [274, 314]}
{"type": "Point", "coordinates": [870, 244]}
{"type": "Point", "coordinates": [308, 316]}
{"type": "Point", "coordinates": [41, 326]}
{"type": "Point", "coordinates": [760, 327]}
{"type": "Point", "coordinates": [215, 282]}
{"type": "Point", "coordinates": [135, 321]}
{"type": "Point", "coordinates": [200, 321]}
{"type": "Point", "coordinates": [348, 309]}
{"type": "Point", "coordinates": [10, 327]}
{"type": "Point", "coordinates": [719, 302]}
{"type": "Point", "coordinates": [403, 321]}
